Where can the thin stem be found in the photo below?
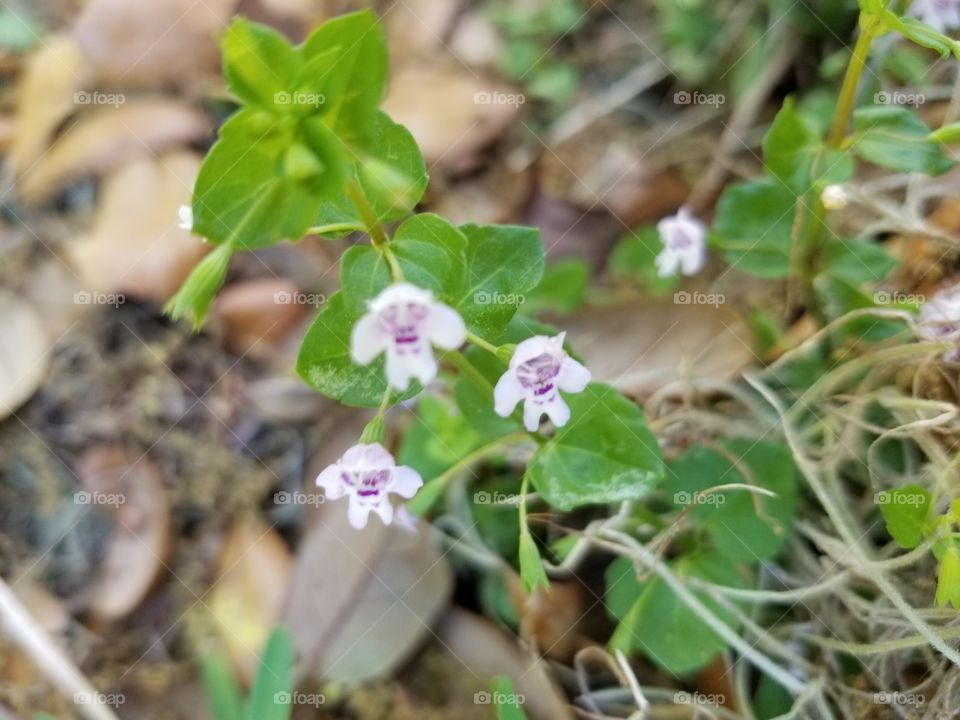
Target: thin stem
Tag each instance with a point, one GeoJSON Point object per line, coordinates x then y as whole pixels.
{"type": "Point", "coordinates": [374, 229]}
{"type": "Point", "coordinates": [480, 342]}
{"type": "Point", "coordinates": [851, 81]}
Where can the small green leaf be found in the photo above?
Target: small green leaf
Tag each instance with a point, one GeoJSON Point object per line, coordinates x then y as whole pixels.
{"type": "Point", "coordinates": [506, 701]}
{"type": "Point", "coordinates": [946, 134]}
{"type": "Point", "coordinates": [274, 680]}
{"type": "Point", "coordinates": [605, 453]}
{"type": "Point", "coordinates": [532, 574]}
{"type": "Point", "coordinates": [563, 288]}
{"type": "Point", "coordinates": [895, 138]}
{"type": "Point", "coordinates": [476, 403]}
{"type": "Point", "coordinates": [919, 32]}
{"type": "Point", "coordinates": [753, 225]}
{"type": "Point", "coordinates": [789, 148]}
{"type": "Point", "coordinates": [906, 511]}
{"type": "Point", "coordinates": [948, 582]}
{"type": "Point", "coordinates": [259, 64]}
{"type": "Point", "coordinates": [857, 262]}
{"type": "Point", "coordinates": [222, 690]}
{"type": "Point", "coordinates": [194, 297]}
{"type": "Point", "coordinates": [634, 257]}
{"type": "Point", "coordinates": [432, 255]}
{"type": "Point", "coordinates": [438, 438]}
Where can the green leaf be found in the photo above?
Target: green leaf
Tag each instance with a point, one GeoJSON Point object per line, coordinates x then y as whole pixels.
{"type": "Point", "coordinates": [222, 690]}
{"type": "Point", "coordinates": [660, 625]}
{"type": "Point", "coordinates": [506, 701]}
{"type": "Point", "coordinates": [743, 526]}
{"type": "Point", "coordinates": [753, 226]}
{"type": "Point", "coordinates": [275, 678]}
{"type": "Point", "coordinates": [895, 138]}
{"type": "Point", "coordinates": [505, 263]}
{"type": "Point", "coordinates": [194, 297]}
{"type": "Point", "coordinates": [356, 79]}
{"type": "Point", "coordinates": [948, 582]}
{"type": "Point", "coordinates": [475, 403]}
{"type": "Point", "coordinates": [563, 288]}
{"type": "Point", "coordinates": [857, 262]}
{"type": "Point", "coordinates": [906, 511]}
{"type": "Point", "coordinates": [604, 454]}
{"type": "Point", "coordinates": [634, 259]}
{"type": "Point", "coordinates": [532, 574]}
{"type": "Point", "coordinates": [919, 32]}
{"type": "Point", "coordinates": [789, 148]}
{"type": "Point", "coordinates": [324, 361]}
{"type": "Point", "coordinates": [245, 192]}
{"type": "Point", "coordinates": [438, 438]}
{"type": "Point", "coordinates": [259, 64]}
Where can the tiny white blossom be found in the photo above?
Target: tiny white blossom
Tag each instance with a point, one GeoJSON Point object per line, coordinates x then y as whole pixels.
{"type": "Point", "coordinates": [186, 217]}
{"type": "Point", "coordinates": [835, 197]}
{"type": "Point", "coordinates": [367, 474]}
{"type": "Point", "coordinates": [539, 370]}
{"type": "Point", "coordinates": [939, 320]}
{"type": "Point", "coordinates": [404, 321]}
{"type": "Point", "coordinates": [941, 15]}
{"type": "Point", "coordinates": [684, 244]}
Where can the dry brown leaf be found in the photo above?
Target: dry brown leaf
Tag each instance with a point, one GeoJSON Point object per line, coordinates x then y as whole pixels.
{"type": "Point", "coordinates": [361, 601]}
{"type": "Point", "coordinates": [417, 29]}
{"type": "Point", "coordinates": [252, 579]}
{"type": "Point", "coordinates": [107, 137]}
{"type": "Point", "coordinates": [136, 246]}
{"type": "Point", "coordinates": [258, 314]}
{"type": "Point", "coordinates": [46, 96]}
{"type": "Point", "coordinates": [453, 114]}
{"type": "Point", "coordinates": [646, 345]}
{"type": "Point", "coordinates": [130, 488]}
{"type": "Point", "coordinates": [549, 618]}
{"type": "Point", "coordinates": [24, 351]}
{"type": "Point", "coordinates": [152, 44]}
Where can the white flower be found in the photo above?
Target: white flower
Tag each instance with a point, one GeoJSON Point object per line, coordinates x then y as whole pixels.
{"type": "Point", "coordinates": [367, 474]}
{"type": "Point", "coordinates": [684, 244]}
{"type": "Point", "coordinates": [186, 217]}
{"type": "Point", "coordinates": [539, 370]}
{"type": "Point", "coordinates": [939, 320]}
{"type": "Point", "coordinates": [403, 321]}
{"type": "Point", "coordinates": [834, 197]}
{"type": "Point", "coordinates": [941, 15]}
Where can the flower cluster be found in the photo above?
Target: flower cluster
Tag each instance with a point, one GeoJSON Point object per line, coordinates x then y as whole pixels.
{"type": "Point", "coordinates": [404, 323]}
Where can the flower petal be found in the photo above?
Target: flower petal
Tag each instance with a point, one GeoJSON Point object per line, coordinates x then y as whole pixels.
{"type": "Point", "coordinates": [558, 411]}
{"type": "Point", "coordinates": [367, 340]}
{"type": "Point", "coordinates": [329, 481]}
{"type": "Point", "coordinates": [398, 372]}
{"type": "Point", "coordinates": [573, 377]}
{"type": "Point", "coordinates": [530, 348]}
{"type": "Point", "coordinates": [532, 412]}
{"type": "Point", "coordinates": [405, 481]}
{"type": "Point", "coordinates": [357, 513]}
{"type": "Point", "coordinates": [507, 393]}
{"type": "Point", "coordinates": [692, 260]}
{"type": "Point", "coordinates": [445, 327]}
{"type": "Point", "coordinates": [667, 262]}
{"type": "Point", "coordinates": [367, 456]}
{"type": "Point", "coordinates": [385, 510]}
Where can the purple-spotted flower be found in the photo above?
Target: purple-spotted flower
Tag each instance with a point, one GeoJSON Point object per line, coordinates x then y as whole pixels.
{"type": "Point", "coordinates": [939, 320]}
{"type": "Point", "coordinates": [539, 370]}
{"type": "Point", "coordinates": [941, 15]}
{"type": "Point", "coordinates": [404, 321]}
{"type": "Point", "coordinates": [367, 475]}
{"type": "Point", "coordinates": [684, 244]}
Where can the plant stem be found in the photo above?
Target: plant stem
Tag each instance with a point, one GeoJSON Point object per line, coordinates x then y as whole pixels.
{"type": "Point", "coordinates": [851, 81]}
{"type": "Point", "coordinates": [480, 342]}
{"type": "Point", "coordinates": [378, 237]}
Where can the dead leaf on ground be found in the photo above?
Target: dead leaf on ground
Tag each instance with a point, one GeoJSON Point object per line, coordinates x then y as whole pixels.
{"type": "Point", "coordinates": [46, 96]}
{"type": "Point", "coordinates": [362, 600]}
{"type": "Point", "coordinates": [252, 579]}
{"type": "Point", "coordinates": [24, 351]}
{"type": "Point", "coordinates": [130, 488]}
{"type": "Point", "coordinates": [257, 315]}
{"type": "Point", "coordinates": [109, 136]}
{"type": "Point", "coordinates": [640, 347]}
{"type": "Point", "coordinates": [154, 44]}
{"type": "Point", "coordinates": [417, 29]}
{"type": "Point", "coordinates": [135, 246]}
{"type": "Point", "coordinates": [453, 114]}
{"type": "Point", "coordinates": [549, 617]}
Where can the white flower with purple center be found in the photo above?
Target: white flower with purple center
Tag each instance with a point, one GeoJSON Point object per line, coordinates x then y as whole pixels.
{"type": "Point", "coordinates": [367, 475]}
{"type": "Point", "coordinates": [539, 370]}
{"type": "Point", "coordinates": [684, 244]}
{"type": "Point", "coordinates": [404, 321]}
{"type": "Point", "coordinates": [939, 320]}
{"type": "Point", "coordinates": [941, 15]}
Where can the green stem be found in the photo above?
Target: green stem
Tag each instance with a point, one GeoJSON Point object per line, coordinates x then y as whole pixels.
{"type": "Point", "coordinates": [480, 342]}
{"type": "Point", "coordinates": [851, 81]}
{"type": "Point", "coordinates": [378, 237]}
{"type": "Point", "coordinates": [335, 228]}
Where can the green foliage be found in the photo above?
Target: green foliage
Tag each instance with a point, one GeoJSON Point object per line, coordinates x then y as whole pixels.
{"type": "Point", "coordinates": [633, 260]}
{"type": "Point", "coordinates": [906, 511]}
{"type": "Point", "coordinates": [506, 702]}
{"type": "Point", "coordinates": [438, 438]}
{"type": "Point", "coordinates": [563, 288]}
{"type": "Point", "coordinates": [532, 574]}
{"type": "Point", "coordinates": [753, 227]}
{"type": "Point", "coordinates": [895, 138]}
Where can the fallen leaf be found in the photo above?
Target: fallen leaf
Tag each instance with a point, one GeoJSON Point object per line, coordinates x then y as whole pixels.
{"type": "Point", "coordinates": [549, 616]}
{"type": "Point", "coordinates": [258, 314]}
{"type": "Point", "coordinates": [252, 580]}
{"type": "Point", "coordinates": [285, 400]}
{"type": "Point", "coordinates": [417, 29]}
{"type": "Point", "coordinates": [45, 97]}
{"type": "Point", "coordinates": [453, 114]}
{"type": "Point", "coordinates": [130, 488]}
{"type": "Point", "coordinates": [135, 246]}
{"type": "Point", "coordinates": [24, 351]}
{"type": "Point", "coordinates": [109, 136]}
